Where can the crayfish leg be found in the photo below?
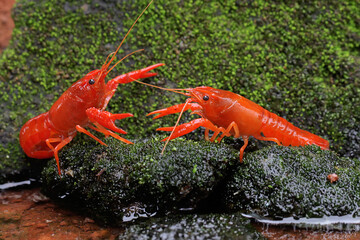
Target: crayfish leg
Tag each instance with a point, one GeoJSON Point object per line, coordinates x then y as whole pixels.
{"type": "Point", "coordinates": [242, 149]}
{"type": "Point", "coordinates": [83, 130]}
{"type": "Point", "coordinates": [269, 139]}
{"type": "Point", "coordinates": [226, 132]}
{"type": "Point", "coordinates": [107, 133]}
{"type": "Point", "coordinates": [207, 134]}
{"type": "Point", "coordinates": [62, 143]}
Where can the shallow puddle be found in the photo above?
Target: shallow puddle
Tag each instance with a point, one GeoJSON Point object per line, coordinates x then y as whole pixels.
{"type": "Point", "coordinates": [330, 228]}
{"type": "Point", "coordinates": [279, 232]}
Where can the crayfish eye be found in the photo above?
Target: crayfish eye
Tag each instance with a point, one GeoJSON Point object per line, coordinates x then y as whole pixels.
{"type": "Point", "coordinates": [206, 97]}
{"type": "Point", "coordinates": [91, 81]}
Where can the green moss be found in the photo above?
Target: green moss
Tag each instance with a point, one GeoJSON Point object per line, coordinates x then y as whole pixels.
{"type": "Point", "coordinates": [8, 166]}
{"type": "Point", "coordinates": [108, 180]}
{"type": "Point", "coordinates": [298, 61]}
{"type": "Point", "coordinates": [281, 182]}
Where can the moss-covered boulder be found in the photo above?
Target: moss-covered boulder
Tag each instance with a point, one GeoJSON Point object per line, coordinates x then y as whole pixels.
{"type": "Point", "coordinates": [211, 226]}
{"type": "Point", "coordinates": [124, 182]}
{"type": "Point", "coordinates": [111, 181]}
{"type": "Point", "coordinates": [281, 182]}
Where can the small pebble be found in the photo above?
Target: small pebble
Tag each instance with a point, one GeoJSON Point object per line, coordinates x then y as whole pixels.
{"type": "Point", "coordinates": [63, 223]}
{"type": "Point", "coordinates": [41, 225]}
{"type": "Point", "coordinates": [74, 221]}
{"type": "Point", "coordinates": [333, 177]}
{"type": "Point", "coordinates": [88, 220]}
{"type": "Point", "coordinates": [101, 234]}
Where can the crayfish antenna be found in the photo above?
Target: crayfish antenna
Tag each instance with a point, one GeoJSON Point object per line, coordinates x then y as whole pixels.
{"type": "Point", "coordinates": [175, 90]}
{"type": "Point", "coordinates": [123, 59]}
{"type": "Point", "coordinates": [118, 48]}
{"type": "Point", "coordinates": [108, 57]}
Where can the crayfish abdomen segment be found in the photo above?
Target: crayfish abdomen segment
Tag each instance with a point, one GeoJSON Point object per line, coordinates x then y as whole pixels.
{"type": "Point", "coordinates": [33, 136]}
{"type": "Point", "coordinates": [287, 134]}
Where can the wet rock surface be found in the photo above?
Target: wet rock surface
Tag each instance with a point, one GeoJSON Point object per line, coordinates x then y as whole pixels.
{"type": "Point", "coordinates": [281, 182]}
{"type": "Point", "coordinates": [194, 226]}
{"type": "Point", "coordinates": [28, 214]}
{"type": "Point", "coordinates": [273, 232]}
{"type": "Point", "coordinates": [129, 182]}
{"type": "Point", "coordinates": [111, 182]}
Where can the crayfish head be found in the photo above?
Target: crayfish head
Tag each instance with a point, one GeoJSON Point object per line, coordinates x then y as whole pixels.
{"type": "Point", "coordinates": [95, 80]}
{"type": "Point", "coordinates": [213, 101]}
{"type": "Point", "coordinates": [90, 88]}
{"type": "Point", "coordinates": [87, 92]}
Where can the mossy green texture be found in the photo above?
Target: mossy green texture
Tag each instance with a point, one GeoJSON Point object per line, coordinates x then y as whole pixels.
{"type": "Point", "coordinates": [210, 226]}
{"type": "Point", "coordinates": [281, 182]}
{"type": "Point", "coordinates": [108, 180]}
{"type": "Point", "coordinates": [300, 61]}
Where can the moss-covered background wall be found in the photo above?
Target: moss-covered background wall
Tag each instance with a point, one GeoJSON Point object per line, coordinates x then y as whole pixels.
{"type": "Point", "coordinates": [297, 59]}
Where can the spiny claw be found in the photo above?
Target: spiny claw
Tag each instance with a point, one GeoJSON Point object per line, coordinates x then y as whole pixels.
{"type": "Point", "coordinates": [114, 117]}
{"type": "Point", "coordinates": [131, 76]}
{"type": "Point", "coordinates": [161, 112]}
{"type": "Point", "coordinates": [166, 129]}
{"type": "Point", "coordinates": [156, 111]}
{"type": "Point", "coordinates": [175, 109]}
{"type": "Point", "coordinates": [165, 139]}
{"type": "Point", "coordinates": [175, 135]}
{"type": "Point", "coordinates": [107, 119]}
{"type": "Point", "coordinates": [144, 73]}
{"type": "Point", "coordinates": [170, 129]}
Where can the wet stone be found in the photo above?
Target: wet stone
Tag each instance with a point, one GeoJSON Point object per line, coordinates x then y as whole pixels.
{"type": "Point", "coordinates": [137, 181]}
{"type": "Point", "coordinates": [101, 234]}
{"type": "Point", "coordinates": [280, 182]}
{"type": "Point", "coordinates": [63, 223]}
{"type": "Point", "coordinates": [210, 226]}
{"type": "Point", "coordinates": [41, 225]}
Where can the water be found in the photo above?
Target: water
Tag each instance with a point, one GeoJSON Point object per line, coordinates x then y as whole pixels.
{"type": "Point", "coordinates": [14, 184]}
{"type": "Point", "coordinates": [342, 223]}
{"type": "Point", "coordinates": [134, 212]}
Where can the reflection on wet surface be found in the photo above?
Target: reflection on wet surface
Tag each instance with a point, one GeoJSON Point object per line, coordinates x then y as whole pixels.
{"type": "Point", "coordinates": [340, 223]}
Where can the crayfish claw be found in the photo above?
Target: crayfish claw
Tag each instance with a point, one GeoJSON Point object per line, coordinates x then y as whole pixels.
{"type": "Point", "coordinates": [106, 119]}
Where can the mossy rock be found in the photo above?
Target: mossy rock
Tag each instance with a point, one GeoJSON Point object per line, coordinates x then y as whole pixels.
{"type": "Point", "coordinates": [108, 181]}
{"type": "Point", "coordinates": [280, 182]}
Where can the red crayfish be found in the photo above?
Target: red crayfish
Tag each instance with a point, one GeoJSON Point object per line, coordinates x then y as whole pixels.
{"type": "Point", "coordinates": [82, 105]}
{"type": "Point", "coordinates": [233, 115]}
